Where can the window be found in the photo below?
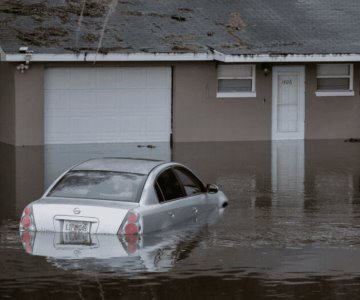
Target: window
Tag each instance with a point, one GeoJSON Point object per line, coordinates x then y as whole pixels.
{"type": "Point", "coordinates": [192, 185]}
{"type": "Point", "coordinates": [102, 185]}
{"type": "Point", "coordinates": [236, 81]}
{"type": "Point", "coordinates": [168, 187]}
{"type": "Point", "coordinates": [335, 80]}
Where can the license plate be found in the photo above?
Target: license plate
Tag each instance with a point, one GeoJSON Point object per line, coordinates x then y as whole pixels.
{"type": "Point", "coordinates": [76, 226]}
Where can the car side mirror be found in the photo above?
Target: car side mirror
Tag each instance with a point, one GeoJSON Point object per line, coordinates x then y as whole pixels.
{"type": "Point", "coordinates": [212, 188]}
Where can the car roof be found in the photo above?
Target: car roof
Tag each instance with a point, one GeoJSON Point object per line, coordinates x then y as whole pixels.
{"type": "Point", "coordinates": [119, 164]}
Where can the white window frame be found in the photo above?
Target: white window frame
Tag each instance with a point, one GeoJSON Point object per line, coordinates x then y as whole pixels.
{"type": "Point", "coordinates": [335, 93]}
{"type": "Point", "coordinates": [250, 94]}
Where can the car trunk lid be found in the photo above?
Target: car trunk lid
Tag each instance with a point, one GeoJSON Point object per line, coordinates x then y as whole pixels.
{"type": "Point", "coordinates": [80, 215]}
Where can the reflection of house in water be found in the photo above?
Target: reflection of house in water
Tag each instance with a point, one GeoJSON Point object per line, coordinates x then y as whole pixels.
{"type": "Point", "coordinates": [332, 177]}
{"type": "Point", "coordinates": [21, 178]}
{"type": "Point", "coordinates": [293, 217]}
{"type": "Point", "coordinates": [297, 175]}
{"type": "Point", "coordinates": [287, 174]}
{"type": "Point", "coordinates": [282, 174]}
{"type": "Point", "coordinates": [240, 168]}
{"type": "Point", "coordinates": [7, 182]}
{"type": "Point", "coordinates": [58, 158]}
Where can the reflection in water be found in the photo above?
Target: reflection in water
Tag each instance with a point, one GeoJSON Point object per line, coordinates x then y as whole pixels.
{"type": "Point", "coordinates": [287, 170]}
{"type": "Point", "coordinates": [118, 255]}
{"type": "Point", "coordinates": [291, 229]}
{"type": "Point", "coordinates": [58, 158]}
{"type": "Point", "coordinates": [21, 178]}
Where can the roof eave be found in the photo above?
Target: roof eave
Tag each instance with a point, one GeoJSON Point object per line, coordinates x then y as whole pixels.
{"type": "Point", "coordinates": [123, 57]}
{"type": "Point", "coordinates": [287, 58]}
{"type": "Point", "coordinates": [146, 57]}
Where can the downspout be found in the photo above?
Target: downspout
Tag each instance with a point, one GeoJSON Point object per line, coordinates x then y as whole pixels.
{"type": "Point", "coordinates": [2, 55]}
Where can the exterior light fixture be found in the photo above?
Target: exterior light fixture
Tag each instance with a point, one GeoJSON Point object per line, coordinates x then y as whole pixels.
{"type": "Point", "coordinates": [22, 67]}
{"type": "Point", "coordinates": [266, 69]}
{"type": "Point", "coordinates": [27, 57]}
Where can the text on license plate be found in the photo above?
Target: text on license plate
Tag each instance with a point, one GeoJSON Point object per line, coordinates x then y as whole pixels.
{"type": "Point", "coordinates": [76, 226]}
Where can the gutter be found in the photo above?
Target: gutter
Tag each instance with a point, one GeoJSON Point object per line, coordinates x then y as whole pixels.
{"type": "Point", "coordinates": [111, 57]}
{"type": "Point", "coordinates": [158, 57]}
{"type": "Point", "coordinates": [280, 58]}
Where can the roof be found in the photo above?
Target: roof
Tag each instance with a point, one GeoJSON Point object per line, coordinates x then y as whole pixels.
{"type": "Point", "coordinates": [229, 27]}
{"type": "Point", "coordinates": [123, 165]}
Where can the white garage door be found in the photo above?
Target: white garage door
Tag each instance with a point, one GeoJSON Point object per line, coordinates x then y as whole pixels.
{"type": "Point", "coordinates": [107, 105]}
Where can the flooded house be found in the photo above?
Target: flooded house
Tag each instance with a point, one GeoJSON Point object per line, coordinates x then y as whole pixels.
{"type": "Point", "coordinates": [256, 96]}
{"type": "Point", "coordinates": [189, 71]}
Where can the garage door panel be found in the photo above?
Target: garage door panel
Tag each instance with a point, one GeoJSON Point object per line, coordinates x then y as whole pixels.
{"type": "Point", "coordinates": [82, 78]}
{"type": "Point", "coordinates": [132, 100]}
{"type": "Point", "coordinates": [156, 124]}
{"type": "Point", "coordinates": [57, 101]}
{"type": "Point", "coordinates": [57, 79]}
{"type": "Point", "coordinates": [132, 124]}
{"type": "Point", "coordinates": [157, 101]}
{"type": "Point", "coordinates": [108, 78]}
{"type": "Point", "coordinates": [88, 105]}
{"type": "Point", "coordinates": [81, 125]}
{"type": "Point", "coordinates": [56, 126]}
{"type": "Point", "coordinates": [107, 101]}
{"type": "Point", "coordinates": [106, 125]}
{"type": "Point", "coordinates": [133, 78]}
{"type": "Point", "coordinates": [157, 78]}
{"type": "Point", "coordinates": [82, 101]}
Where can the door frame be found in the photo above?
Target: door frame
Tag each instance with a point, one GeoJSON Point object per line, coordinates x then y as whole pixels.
{"type": "Point", "coordinates": [288, 70]}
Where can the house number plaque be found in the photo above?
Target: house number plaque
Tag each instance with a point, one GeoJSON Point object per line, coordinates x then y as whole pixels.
{"type": "Point", "coordinates": [286, 82]}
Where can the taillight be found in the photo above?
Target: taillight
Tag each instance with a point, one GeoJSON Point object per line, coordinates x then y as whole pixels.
{"type": "Point", "coordinates": [130, 229]}
{"type": "Point", "coordinates": [132, 217]}
{"type": "Point", "coordinates": [132, 224]}
{"type": "Point", "coordinates": [28, 210]}
{"type": "Point", "coordinates": [27, 222]}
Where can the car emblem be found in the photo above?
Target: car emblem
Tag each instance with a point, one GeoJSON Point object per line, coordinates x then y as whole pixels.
{"type": "Point", "coordinates": [76, 211]}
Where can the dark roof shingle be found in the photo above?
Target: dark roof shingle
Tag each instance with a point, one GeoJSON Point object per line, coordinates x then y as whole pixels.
{"type": "Point", "coordinates": [157, 26]}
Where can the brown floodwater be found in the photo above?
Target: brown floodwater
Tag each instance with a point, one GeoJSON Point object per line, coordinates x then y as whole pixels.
{"type": "Point", "coordinates": [292, 229]}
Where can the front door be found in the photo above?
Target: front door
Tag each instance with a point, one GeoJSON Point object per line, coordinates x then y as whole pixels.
{"type": "Point", "coordinates": [288, 109]}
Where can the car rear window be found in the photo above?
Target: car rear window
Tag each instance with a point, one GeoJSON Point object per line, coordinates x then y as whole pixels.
{"type": "Point", "coordinates": [102, 185]}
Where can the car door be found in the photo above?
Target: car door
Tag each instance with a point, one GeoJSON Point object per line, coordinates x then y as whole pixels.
{"type": "Point", "coordinates": [195, 192]}
{"type": "Point", "coordinates": [175, 204]}
{"type": "Point", "coordinates": [172, 197]}
{"type": "Point", "coordinates": [181, 198]}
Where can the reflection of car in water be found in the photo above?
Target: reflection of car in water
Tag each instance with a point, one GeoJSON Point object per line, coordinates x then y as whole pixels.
{"type": "Point", "coordinates": [121, 196]}
{"type": "Point", "coordinates": [153, 252]}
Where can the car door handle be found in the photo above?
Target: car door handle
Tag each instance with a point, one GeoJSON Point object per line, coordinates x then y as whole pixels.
{"type": "Point", "coordinates": [171, 215]}
{"type": "Point", "coordinates": [195, 210]}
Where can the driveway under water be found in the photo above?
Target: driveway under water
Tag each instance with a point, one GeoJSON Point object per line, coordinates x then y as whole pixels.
{"type": "Point", "coordinates": [292, 229]}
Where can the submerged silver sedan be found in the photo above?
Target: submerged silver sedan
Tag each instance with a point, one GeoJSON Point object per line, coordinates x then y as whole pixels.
{"type": "Point", "coordinates": [122, 196]}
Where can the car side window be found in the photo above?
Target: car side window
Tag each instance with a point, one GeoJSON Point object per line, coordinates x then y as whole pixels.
{"type": "Point", "coordinates": [192, 184]}
{"type": "Point", "coordinates": [168, 186]}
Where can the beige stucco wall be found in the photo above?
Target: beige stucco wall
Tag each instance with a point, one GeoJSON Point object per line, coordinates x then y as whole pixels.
{"type": "Point", "coordinates": [21, 105]}
{"type": "Point", "coordinates": [29, 103]}
{"type": "Point", "coordinates": [197, 114]}
{"type": "Point", "coordinates": [7, 103]}
{"type": "Point", "coordinates": [331, 117]}
{"type": "Point", "coordinates": [200, 116]}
